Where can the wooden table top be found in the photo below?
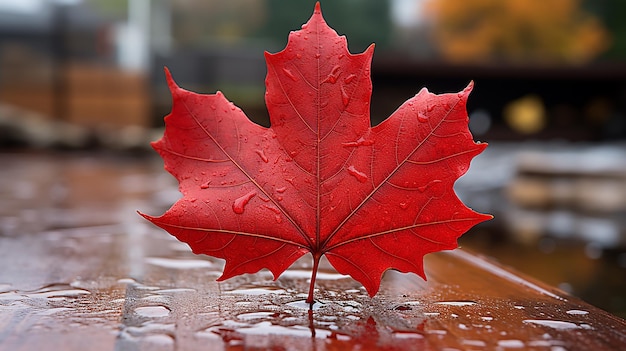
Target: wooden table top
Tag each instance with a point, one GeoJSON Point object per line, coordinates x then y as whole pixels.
{"type": "Point", "coordinates": [81, 270]}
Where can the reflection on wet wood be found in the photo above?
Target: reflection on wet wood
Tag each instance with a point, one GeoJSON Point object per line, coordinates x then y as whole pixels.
{"type": "Point", "coordinates": [81, 270]}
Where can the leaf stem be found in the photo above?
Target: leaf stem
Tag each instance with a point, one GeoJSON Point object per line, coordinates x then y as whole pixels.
{"type": "Point", "coordinates": [312, 327]}
{"type": "Point", "coordinates": [316, 263]}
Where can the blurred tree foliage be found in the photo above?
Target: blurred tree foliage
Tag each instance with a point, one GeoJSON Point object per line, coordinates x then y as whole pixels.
{"type": "Point", "coordinates": [198, 23]}
{"type": "Point", "coordinates": [517, 31]}
{"type": "Point", "coordinates": [612, 12]}
{"type": "Point", "coordinates": [363, 22]}
{"type": "Point", "coordinates": [113, 8]}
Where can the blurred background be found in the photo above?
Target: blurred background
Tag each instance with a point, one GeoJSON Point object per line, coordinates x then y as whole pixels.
{"type": "Point", "coordinates": [85, 77]}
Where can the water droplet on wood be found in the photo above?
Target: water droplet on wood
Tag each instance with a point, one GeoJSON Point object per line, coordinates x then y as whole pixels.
{"type": "Point", "coordinates": [178, 264]}
{"type": "Point", "coordinates": [403, 308]}
{"type": "Point", "coordinates": [559, 325]}
{"type": "Point", "coordinates": [577, 312]}
{"type": "Point", "coordinates": [456, 303]}
{"type": "Point", "coordinates": [511, 344]}
{"type": "Point", "coordinates": [152, 311]}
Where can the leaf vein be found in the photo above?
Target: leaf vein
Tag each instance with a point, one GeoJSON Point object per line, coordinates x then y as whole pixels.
{"type": "Point", "coordinates": [391, 174]}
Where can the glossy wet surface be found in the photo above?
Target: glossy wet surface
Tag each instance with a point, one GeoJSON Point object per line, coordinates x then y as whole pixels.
{"type": "Point", "coordinates": [82, 270]}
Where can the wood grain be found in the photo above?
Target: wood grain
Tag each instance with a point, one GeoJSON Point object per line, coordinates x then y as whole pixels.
{"type": "Point", "coordinates": [81, 270]}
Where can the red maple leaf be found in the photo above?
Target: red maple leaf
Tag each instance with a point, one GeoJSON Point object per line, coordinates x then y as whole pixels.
{"type": "Point", "coordinates": [320, 179]}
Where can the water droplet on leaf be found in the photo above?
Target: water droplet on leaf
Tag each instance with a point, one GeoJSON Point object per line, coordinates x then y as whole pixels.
{"type": "Point", "coordinates": [360, 176]}
{"type": "Point", "coordinates": [431, 183]}
{"type": "Point", "coordinates": [334, 74]}
{"type": "Point", "coordinates": [272, 208]}
{"type": "Point", "coordinates": [344, 96]}
{"type": "Point", "coordinates": [290, 74]}
{"type": "Point", "coordinates": [240, 203]}
{"type": "Point", "coordinates": [261, 154]}
{"type": "Point", "coordinates": [349, 78]}
{"type": "Point", "coordinates": [360, 142]}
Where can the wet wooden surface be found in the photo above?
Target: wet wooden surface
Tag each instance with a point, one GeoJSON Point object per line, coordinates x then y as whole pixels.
{"type": "Point", "coordinates": [82, 271]}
